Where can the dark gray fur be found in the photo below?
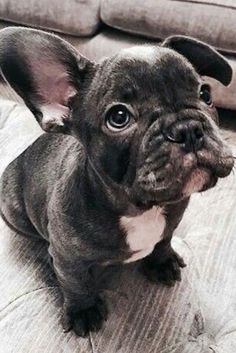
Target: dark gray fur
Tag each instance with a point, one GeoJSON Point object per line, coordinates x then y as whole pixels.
{"type": "Point", "coordinates": [72, 185]}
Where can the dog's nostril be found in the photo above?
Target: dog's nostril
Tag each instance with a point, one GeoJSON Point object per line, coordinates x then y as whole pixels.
{"type": "Point", "coordinates": [198, 132]}
{"type": "Point", "coordinates": [177, 138]}
{"type": "Point", "coordinates": [189, 134]}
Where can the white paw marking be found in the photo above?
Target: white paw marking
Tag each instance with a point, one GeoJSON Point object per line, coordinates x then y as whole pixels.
{"type": "Point", "coordinates": [143, 232]}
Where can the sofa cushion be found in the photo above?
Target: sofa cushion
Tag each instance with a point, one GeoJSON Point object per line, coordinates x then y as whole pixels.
{"type": "Point", "coordinates": [197, 315]}
{"type": "Point", "coordinates": [111, 41]}
{"type": "Point", "coordinates": [212, 21]}
{"type": "Point", "coordinates": [77, 17]}
{"type": "Point", "coordinates": [18, 129]}
{"type": "Point", "coordinates": [224, 3]}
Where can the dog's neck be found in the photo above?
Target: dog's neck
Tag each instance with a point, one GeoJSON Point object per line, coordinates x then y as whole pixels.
{"type": "Point", "coordinates": [116, 196]}
{"type": "Point", "coordinates": [86, 178]}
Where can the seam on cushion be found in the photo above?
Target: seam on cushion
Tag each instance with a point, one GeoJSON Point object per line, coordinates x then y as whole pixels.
{"type": "Point", "coordinates": [4, 121]}
{"type": "Point", "coordinates": [207, 3]}
{"type": "Point", "coordinates": [198, 273]}
{"type": "Point", "coordinates": [26, 294]}
{"type": "Point", "coordinates": [194, 257]}
{"type": "Point", "coordinates": [50, 29]}
{"type": "Point", "coordinates": [155, 39]}
{"type": "Point", "coordinates": [92, 343]}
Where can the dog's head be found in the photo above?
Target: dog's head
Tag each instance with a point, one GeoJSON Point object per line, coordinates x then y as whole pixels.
{"type": "Point", "coordinates": [144, 116]}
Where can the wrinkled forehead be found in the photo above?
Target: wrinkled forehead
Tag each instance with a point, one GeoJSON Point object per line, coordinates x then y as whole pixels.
{"type": "Point", "coordinates": [149, 67]}
{"type": "Point", "coordinates": [154, 57]}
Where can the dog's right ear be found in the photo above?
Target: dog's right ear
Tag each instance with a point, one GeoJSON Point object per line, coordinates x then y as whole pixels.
{"type": "Point", "coordinates": [206, 60]}
{"type": "Point", "coordinates": [46, 71]}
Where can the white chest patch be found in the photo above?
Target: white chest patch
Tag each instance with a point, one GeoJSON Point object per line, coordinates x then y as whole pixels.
{"type": "Point", "coordinates": [143, 232]}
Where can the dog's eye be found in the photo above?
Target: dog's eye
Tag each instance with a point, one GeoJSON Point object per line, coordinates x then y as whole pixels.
{"type": "Point", "coordinates": [118, 118]}
{"type": "Point", "coordinates": [205, 94]}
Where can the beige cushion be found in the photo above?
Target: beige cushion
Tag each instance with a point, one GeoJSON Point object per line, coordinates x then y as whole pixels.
{"type": "Point", "coordinates": [112, 41]}
{"type": "Point", "coordinates": [77, 17]}
{"type": "Point", "coordinates": [223, 3]}
{"type": "Point", "coordinates": [213, 21]}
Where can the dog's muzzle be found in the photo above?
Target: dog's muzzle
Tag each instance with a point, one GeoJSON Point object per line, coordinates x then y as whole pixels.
{"type": "Point", "coordinates": [183, 158]}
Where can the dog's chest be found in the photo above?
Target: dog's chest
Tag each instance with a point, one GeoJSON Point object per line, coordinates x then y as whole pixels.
{"type": "Point", "coordinates": [143, 232]}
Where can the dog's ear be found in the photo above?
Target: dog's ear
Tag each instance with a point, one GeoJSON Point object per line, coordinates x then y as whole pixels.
{"type": "Point", "coordinates": [205, 59]}
{"type": "Point", "coordinates": [46, 71]}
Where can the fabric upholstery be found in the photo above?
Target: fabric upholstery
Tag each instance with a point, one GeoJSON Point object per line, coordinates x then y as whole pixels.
{"type": "Point", "coordinates": [111, 41]}
{"type": "Point", "coordinates": [211, 21]}
{"type": "Point", "coordinates": [223, 3]}
{"type": "Point", "coordinates": [197, 315]}
{"type": "Point", "coordinates": [77, 17]}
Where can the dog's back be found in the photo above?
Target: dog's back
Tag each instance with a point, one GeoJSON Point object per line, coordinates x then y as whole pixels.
{"type": "Point", "coordinates": [35, 172]}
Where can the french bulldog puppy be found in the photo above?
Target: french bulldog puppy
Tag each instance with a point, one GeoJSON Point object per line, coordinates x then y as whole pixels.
{"type": "Point", "coordinates": [131, 138]}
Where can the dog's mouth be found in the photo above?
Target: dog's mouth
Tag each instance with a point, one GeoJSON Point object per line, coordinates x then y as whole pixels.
{"type": "Point", "coordinates": [174, 161]}
{"type": "Point", "coordinates": [195, 173]}
{"type": "Point", "coordinates": [200, 179]}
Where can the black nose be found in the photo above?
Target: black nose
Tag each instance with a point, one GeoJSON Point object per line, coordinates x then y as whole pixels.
{"type": "Point", "coordinates": [190, 134]}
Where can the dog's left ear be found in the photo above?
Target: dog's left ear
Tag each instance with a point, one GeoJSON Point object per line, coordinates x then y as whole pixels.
{"type": "Point", "coordinates": [46, 71]}
{"type": "Point", "coordinates": [205, 59]}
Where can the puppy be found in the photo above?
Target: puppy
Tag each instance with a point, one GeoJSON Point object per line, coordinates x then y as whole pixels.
{"type": "Point", "coordinates": [131, 138]}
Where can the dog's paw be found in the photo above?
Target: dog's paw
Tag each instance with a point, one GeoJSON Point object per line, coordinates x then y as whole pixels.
{"type": "Point", "coordinates": [87, 320]}
{"type": "Point", "coordinates": [167, 272]}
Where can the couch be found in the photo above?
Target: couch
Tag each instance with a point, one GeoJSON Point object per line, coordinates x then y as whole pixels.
{"type": "Point", "coordinates": [101, 27]}
{"type": "Point", "coordinates": [197, 315]}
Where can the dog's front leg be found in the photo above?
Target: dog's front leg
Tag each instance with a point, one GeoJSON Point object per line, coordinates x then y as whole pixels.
{"type": "Point", "coordinates": [83, 310]}
{"type": "Point", "coordinates": [164, 264]}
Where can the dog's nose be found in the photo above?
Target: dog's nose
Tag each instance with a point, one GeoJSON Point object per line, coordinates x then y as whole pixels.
{"type": "Point", "coordinates": [189, 134]}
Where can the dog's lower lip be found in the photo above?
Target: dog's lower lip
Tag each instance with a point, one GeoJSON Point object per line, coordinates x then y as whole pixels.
{"type": "Point", "coordinates": [211, 184]}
